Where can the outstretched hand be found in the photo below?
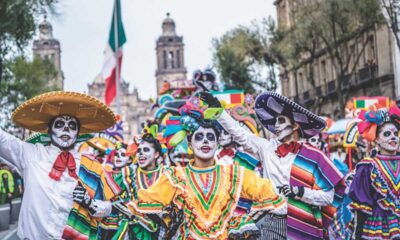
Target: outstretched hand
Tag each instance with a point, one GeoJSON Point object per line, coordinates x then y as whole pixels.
{"type": "Point", "coordinates": [211, 101]}
{"type": "Point", "coordinates": [81, 196]}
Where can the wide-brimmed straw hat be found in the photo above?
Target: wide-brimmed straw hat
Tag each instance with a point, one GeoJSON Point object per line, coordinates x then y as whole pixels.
{"type": "Point", "coordinates": [36, 113]}
{"type": "Point", "coordinates": [269, 105]}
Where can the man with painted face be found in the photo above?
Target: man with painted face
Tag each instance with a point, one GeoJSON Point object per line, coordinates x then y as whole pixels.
{"type": "Point", "coordinates": [300, 173]}
{"type": "Point", "coordinates": [51, 172]}
{"type": "Point", "coordinates": [206, 193]}
{"type": "Point", "coordinates": [375, 187]}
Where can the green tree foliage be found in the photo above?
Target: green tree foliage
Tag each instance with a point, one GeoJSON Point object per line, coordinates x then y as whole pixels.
{"type": "Point", "coordinates": [336, 28]}
{"type": "Point", "coordinates": [242, 60]}
{"type": "Point", "coordinates": [23, 80]}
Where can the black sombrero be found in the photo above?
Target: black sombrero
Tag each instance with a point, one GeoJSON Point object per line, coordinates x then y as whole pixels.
{"type": "Point", "coordinates": [271, 104]}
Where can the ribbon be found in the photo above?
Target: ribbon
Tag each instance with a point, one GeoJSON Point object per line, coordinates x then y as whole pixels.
{"type": "Point", "coordinates": [64, 160]}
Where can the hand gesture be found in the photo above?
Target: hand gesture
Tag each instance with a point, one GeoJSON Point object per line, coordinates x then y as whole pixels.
{"type": "Point", "coordinates": [211, 101]}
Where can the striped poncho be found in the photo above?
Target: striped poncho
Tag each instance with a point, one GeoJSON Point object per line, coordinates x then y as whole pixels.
{"type": "Point", "coordinates": [100, 186]}
{"type": "Point", "coordinates": [312, 169]}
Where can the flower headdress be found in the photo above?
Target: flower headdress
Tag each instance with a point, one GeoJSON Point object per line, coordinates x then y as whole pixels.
{"type": "Point", "coordinates": [377, 117]}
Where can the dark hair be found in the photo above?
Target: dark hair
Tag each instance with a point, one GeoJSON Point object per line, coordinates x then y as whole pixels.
{"type": "Point", "coordinates": [150, 139]}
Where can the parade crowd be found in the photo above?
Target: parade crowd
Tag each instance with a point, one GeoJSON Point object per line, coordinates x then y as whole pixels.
{"type": "Point", "coordinates": [211, 164]}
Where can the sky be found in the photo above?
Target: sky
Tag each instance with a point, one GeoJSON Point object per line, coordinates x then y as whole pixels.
{"type": "Point", "coordinates": [83, 26]}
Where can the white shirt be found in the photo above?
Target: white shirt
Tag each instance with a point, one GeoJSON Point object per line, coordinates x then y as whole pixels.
{"type": "Point", "coordinates": [46, 203]}
{"type": "Point", "coordinates": [275, 168]}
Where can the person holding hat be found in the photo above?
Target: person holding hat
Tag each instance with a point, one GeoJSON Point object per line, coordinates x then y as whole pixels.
{"type": "Point", "coordinates": [375, 189]}
{"type": "Point", "coordinates": [299, 172]}
{"type": "Point", "coordinates": [52, 172]}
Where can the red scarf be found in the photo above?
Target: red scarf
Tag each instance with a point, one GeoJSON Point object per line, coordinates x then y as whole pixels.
{"type": "Point", "coordinates": [226, 152]}
{"type": "Point", "coordinates": [64, 160]}
{"type": "Point", "coordinates": [286, 148]}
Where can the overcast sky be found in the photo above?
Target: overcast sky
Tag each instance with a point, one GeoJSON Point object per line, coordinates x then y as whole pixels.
{"type": "Point", "coordinates": [83, 27]}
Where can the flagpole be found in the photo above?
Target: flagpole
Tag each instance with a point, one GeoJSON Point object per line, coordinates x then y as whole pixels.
{"type": "Point", "coordinates": [117, 73]}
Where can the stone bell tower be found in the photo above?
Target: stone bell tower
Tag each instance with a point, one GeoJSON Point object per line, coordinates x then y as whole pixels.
{"type": "Point", "coordinates": [170, 56]}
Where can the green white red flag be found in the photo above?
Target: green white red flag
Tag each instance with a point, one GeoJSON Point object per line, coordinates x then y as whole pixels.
{"type": "Point", "coordinates": [111, 66]}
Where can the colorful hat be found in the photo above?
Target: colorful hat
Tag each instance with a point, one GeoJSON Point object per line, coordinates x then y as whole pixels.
{"type": "Point", "coordinates": [36, 113]}
{"type": "Point", "coordinates": [270, 104]}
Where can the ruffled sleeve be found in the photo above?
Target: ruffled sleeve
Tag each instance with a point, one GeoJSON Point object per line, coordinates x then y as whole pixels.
{"type": "Point", "coordinates": [361, 188]}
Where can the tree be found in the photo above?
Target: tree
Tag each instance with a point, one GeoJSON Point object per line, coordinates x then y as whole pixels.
{"type": "Point", "coordinates": [336, 28]}
{"type": "Point", "coordinates": [391, 12]}
{"type": "Point", "coordinates": [241, 58]}
{"type": "Point", "coordinates": [23, 80]}
{"type": "Point", "coordinates": [18, 20]}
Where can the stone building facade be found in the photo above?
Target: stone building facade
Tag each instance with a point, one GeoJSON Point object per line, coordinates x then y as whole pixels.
{"type": "Point", "coordinates": [374, 73]}
{"type": "Point", "coordinates": [48, 47]}
{"type": "Point", "coordinates": [170, 55]}
{"type": "Point", "coordinates": [134, 111]}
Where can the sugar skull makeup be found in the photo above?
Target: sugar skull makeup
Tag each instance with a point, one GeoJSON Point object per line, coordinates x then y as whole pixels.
{"type": "Point", "coordinates": [315, 141]}
{"type": "Point", "coordinates": [283, 127]}
{"type": "Point", "coordinates": [64, 131]}
{"type": "Point", "coordinates": [146, 155]}
{"type": "Point", "coordinates": [388, 138]}
{"type": "Point", "coordinates": [204, 143]}
{"type": "Point", "coordinates": [225, 139]}
{"type": "Point", "coordinates": [120, 159]}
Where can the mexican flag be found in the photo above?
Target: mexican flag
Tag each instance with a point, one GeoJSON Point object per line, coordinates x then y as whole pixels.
{"type": "Point", "coordinates": [113, 54]}
{"type": "Point", "coordinates": [366, 102]}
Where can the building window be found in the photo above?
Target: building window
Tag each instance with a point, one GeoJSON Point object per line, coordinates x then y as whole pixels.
{"type": "Point", "coordinates": [165, 60]}
{"type": "Point", "coordinates": [323, 71]}
{"type": "Point", "coordinates": [178, 59]}
{"type": "Point", "coordinates": [171, 59]}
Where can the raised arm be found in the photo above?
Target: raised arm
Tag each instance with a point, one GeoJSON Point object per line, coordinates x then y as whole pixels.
{"type": "Point", "coordinates": [246, 139]}
{"type": "Point", "coordinates": [15, 151]}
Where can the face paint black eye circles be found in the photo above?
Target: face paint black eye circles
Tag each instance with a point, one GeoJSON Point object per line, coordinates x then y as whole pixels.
{"type": "Point", "coordinates": [198, 136]}
{"type": "Point", "coordinates": [72, 125]}
{"type": "Point", "coordinates": [59, 124]}
{"type": "Point", "coordinates": [211, 137]}
{"type": "Point", "coordinates": [386, 133]}
{"type": "Point", "coordinates": [146, 149]}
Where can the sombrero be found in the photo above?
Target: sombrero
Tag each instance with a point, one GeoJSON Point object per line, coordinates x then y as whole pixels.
{"type": "Point", "coordinates": [270, 104]}
{"type": "Point", "coordinates": [36, 113]}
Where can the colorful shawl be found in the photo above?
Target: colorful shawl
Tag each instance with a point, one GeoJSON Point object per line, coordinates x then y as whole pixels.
{"type": "Point", "coordinates": [100, 186]}
{"type": "Point", "coordinates": [312, 169]}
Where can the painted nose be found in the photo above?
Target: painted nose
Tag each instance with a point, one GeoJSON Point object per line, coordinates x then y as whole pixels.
{"type": "Point", "coordinates": [66, 129]}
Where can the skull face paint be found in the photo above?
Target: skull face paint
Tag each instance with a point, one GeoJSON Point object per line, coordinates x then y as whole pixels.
{"type": "Point", "coordinates": [204, 143]}
{"type": "Point", "coordinates": [64, 131]}
{"type": "Point", "coordinates": [120, 159]}
{"type": "Point", "coordinates": [388, 138]}
{"type": "Point", "coordinates": [146, 155]}
{"type": "Point", "coordinates": [315, 141]}
{"type": "Point", "coordinates": [225, 139]}
{"type": "Point", "coordinates": [283, 127]}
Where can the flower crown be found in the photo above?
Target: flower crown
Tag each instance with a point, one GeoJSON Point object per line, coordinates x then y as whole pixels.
{"type": "Point", "coordinates": [377, 117]}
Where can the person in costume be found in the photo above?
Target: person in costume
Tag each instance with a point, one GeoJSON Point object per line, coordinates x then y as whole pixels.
{"type": "Point", "coordinates": [242, 225]}
{"type": "Point", "coordinates": [51, 172]}
{"type": "Point", "coordinates": [375, 187]}
{"type": "Point", "coordinates": [207, 193]}
{"type": "Point", "coordinates": [116, 224]}
{"type": "Point", "coordinates": [301, 173]}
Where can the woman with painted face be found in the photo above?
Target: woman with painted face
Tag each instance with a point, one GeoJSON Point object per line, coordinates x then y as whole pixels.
{"type": "Point", "coordinates": [375, 187]}
{"type": "Point", "coordinates": [142, 176]}
{"type": "Point", "coordinates": [206, 193]}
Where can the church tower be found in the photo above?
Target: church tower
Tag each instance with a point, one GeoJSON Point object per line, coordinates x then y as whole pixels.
{"type": "Point", "coordinates": [170, 56]}
{"type": "Point", "coordinates": [47, 47]}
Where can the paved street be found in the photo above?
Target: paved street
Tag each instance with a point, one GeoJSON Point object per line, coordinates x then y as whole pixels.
{"type": "Point", "coordinates": [10, 234]}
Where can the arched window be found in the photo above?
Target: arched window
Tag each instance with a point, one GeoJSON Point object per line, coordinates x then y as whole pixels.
{"type": "Point", "coordinates": [171, 59]}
